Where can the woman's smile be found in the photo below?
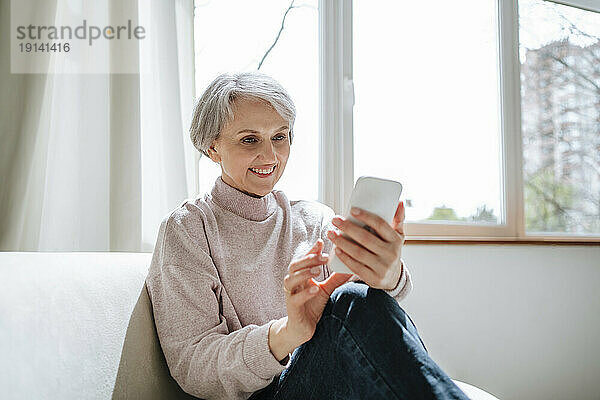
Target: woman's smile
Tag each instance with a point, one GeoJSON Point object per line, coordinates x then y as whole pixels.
{"type": "Point", "coordinates": [263, 172]}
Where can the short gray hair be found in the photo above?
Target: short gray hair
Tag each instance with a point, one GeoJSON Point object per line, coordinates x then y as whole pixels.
{"type": "Point", "coordinates": [214, 108]}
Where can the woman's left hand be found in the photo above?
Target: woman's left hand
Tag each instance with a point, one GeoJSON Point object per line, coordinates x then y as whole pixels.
{"type": "Point", "coordinates": [376, 257]}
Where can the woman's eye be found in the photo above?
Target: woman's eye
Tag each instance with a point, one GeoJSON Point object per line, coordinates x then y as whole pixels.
{"type": "Point", "coordinates": [251, 140]}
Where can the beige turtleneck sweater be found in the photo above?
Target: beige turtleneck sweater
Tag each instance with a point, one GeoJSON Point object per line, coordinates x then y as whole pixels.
{"type": "Point", "coordinates": [216, 285]}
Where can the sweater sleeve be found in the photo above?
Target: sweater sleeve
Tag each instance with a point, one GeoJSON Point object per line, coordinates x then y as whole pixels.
{"type": "Point", "coordinates": [404, 286]}
{"type": "Point", "coordinates": [205, 358]}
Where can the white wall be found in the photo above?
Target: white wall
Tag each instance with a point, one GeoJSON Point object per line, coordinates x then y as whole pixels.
{"type": "Point", "coordinates": [519, 321]}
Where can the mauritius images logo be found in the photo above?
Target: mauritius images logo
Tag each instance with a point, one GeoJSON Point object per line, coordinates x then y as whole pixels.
{"type": "Point", "coordinates": [85, 32]}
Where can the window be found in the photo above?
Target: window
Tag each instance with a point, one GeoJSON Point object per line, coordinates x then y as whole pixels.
{"type": "Point", "coordinates": [436, 104]}
{"type": "Point", "coordinates": [427, 107]}
{"type": "Point", "coordinates": [227, 41]}
{"type": "Point", "coordinates": [486, 110]}
{"type": "Point", "coordinates": [559, 51]}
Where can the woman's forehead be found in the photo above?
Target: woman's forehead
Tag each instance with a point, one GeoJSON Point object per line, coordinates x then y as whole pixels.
{"type": "Point", "coordinates": [243, 105]}
{"type": "Point", "coordinates": [256, 115]}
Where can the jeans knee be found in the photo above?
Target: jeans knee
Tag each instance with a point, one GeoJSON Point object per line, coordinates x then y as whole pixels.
{"type": "Point", "coordinates": [353, 297]}
{"type": "Point", "coordinates": [362, 308]}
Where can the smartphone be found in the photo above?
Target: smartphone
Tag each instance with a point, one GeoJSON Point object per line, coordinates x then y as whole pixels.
{"type": "Point", "coordinates": [377, 195]}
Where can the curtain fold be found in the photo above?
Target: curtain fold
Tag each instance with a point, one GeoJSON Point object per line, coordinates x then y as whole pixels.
{"type": "Point", "coordinates": [93, 162]}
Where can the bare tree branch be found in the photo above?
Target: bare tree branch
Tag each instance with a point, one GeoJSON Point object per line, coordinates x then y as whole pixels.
{"type": "Point", "coordinates": [574, 29]}
{"type": "Point", "coordinates": [547, 198]}
{"type": "Point", "coordinates": [575, 70]}
{"type": "Point", "coordinates": [278, 34]}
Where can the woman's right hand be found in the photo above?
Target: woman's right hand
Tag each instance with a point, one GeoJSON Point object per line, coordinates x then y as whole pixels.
{"type": "Point", "coordinates": [305, 298]}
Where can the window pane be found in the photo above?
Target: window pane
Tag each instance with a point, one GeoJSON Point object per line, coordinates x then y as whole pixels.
{"type": "Point", "coordinates": [227, 41]}
{"type": "Point", "coordinates": [427, 105]}
{"type": "Point", "coordinates": [560, 90]}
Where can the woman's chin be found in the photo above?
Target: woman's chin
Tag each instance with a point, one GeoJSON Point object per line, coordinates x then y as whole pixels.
{"type": "Point", "coordinates": [259, 188]}
{"type": "Point", "coordinates": [262, 190]}
{"type": "Point", "coordinates": [262, 184]}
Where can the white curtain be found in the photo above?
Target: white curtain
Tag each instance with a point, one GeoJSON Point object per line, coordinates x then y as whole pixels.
{"type": "Point", "coordinates": [93, 162]}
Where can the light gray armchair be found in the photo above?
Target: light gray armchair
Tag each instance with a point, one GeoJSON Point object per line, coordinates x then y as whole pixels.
{"type": "Point", "coordinates": [80, 326]}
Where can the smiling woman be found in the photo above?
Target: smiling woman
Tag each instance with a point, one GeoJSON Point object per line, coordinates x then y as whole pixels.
{"type": "Point", "coordinates": [253, 147]}
{"type": "Point", "coordinates": [242, 126]}
{"type": "Point", "coordinates": [239, 277]}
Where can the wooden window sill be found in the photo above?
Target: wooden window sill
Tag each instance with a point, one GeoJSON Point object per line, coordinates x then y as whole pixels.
{"type": "Point", "coordinates": [502, 240]}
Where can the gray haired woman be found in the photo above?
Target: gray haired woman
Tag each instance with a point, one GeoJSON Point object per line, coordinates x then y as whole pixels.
{"type": "Point", "coordinates": [244, 303]}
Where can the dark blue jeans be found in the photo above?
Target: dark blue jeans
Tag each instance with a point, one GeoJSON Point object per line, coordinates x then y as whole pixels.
{"type": "Point", "coordinates": [365, 347]}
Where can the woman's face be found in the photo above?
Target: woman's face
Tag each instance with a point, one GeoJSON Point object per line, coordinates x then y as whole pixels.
{"type": "Point", "coordinates": [256, 138]}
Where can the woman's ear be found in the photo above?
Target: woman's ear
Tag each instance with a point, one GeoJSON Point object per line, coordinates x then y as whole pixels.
{"type": "Point", "coordinates": [213, 154]}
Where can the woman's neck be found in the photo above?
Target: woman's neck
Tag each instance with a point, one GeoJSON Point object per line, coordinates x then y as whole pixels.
{"type": "Point", "coordinates": [244, 204]}
{"type": "Point", "coordinates": [250, 194]}
{"type": "Point", "coordinates": [226, 179]}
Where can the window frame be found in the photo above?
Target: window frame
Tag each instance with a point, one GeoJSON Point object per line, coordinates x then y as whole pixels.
{"type": "Point", "coordinates": [336, 96]}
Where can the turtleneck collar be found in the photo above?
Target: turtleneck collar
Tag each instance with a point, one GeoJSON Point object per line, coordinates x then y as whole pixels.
{"type": "Point", "coordinates": [242, 204]}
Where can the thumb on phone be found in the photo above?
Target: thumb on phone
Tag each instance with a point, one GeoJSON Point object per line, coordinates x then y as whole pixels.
{"type": "Point", "coordinates": [334, 281]}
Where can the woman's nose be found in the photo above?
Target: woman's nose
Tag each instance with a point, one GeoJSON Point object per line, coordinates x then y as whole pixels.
{"type": "Point", "coordinates": [268, 151]}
